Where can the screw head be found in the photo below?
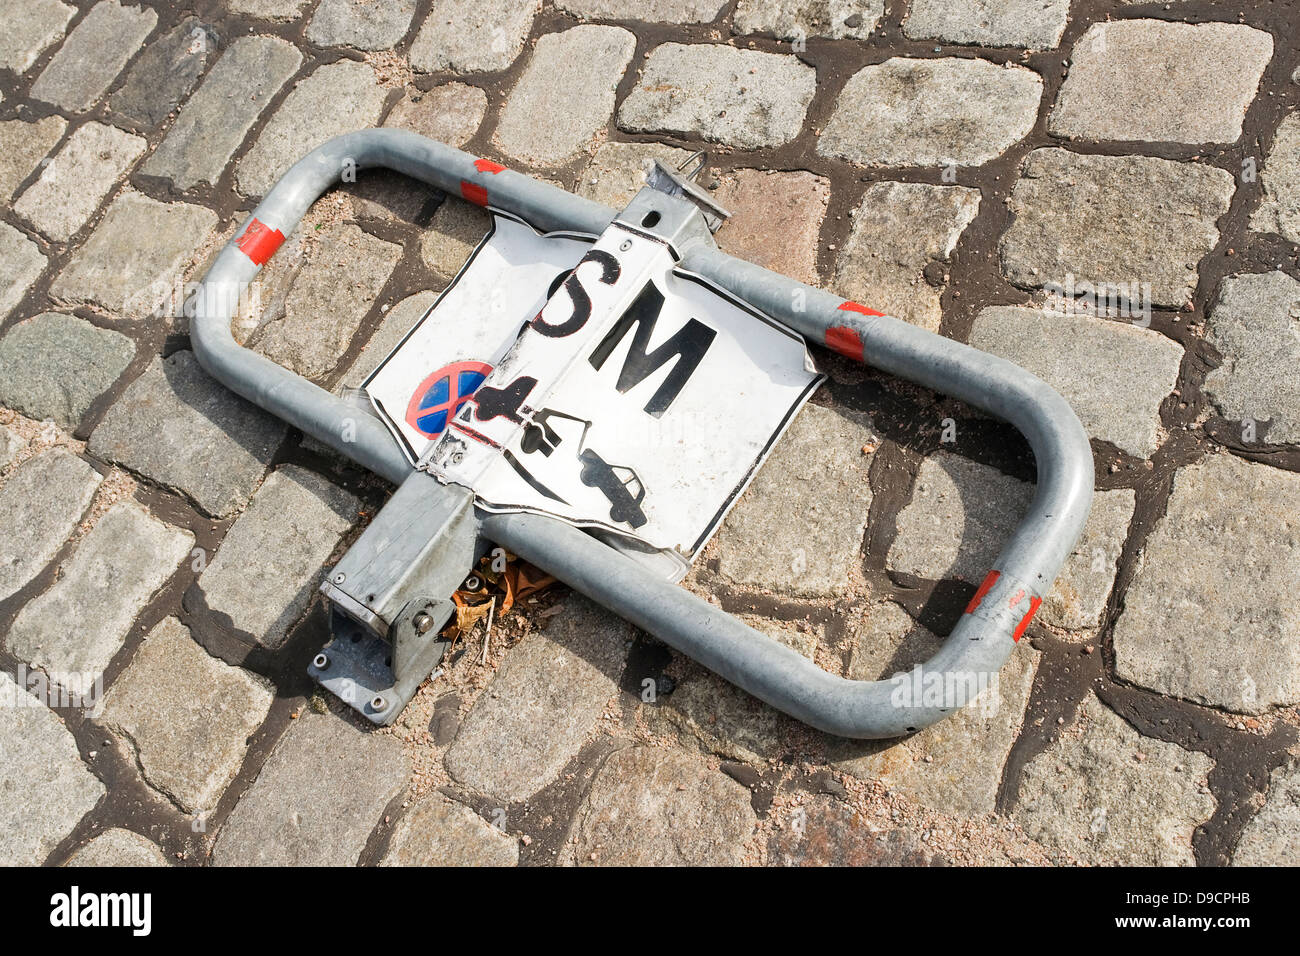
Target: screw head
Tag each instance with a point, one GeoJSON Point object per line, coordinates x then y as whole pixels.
{"type": "Point", "coordinates": [422, 621]}
{"type": "Point", "coordinates": [340, 578]}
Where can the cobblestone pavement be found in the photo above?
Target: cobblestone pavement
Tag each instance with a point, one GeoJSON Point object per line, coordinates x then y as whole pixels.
{"type": "Point", "coordinates": [961, 163]}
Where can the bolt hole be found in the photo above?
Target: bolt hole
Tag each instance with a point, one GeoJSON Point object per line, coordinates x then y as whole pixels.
{"type": "Point", "coordinates": [388, 662]}
{"type": "Point", "coordinates": [356, 638]}
{"type": "Point", "coordinates": [651, 219]}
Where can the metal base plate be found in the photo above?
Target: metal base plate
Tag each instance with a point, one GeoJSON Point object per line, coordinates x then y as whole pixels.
{"type": "Point", "coordinates": [357, 667]}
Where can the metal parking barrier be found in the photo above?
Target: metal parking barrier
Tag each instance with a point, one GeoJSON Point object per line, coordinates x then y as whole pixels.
{"type": "Point", "coordinates": [390, 593]}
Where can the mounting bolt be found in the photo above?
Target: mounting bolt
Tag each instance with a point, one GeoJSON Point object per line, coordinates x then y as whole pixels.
{"type": "Point", "coordinates": [320, 662]}
{"type": "Point", "coordinates": [422, 621]}
{"type": "Point", "coordinates": [379, 704]}
{"type": "Point", "coordinates": [340, 578]}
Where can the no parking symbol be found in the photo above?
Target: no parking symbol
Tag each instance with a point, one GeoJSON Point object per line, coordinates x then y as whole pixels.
{"type": "Point", "coordinates": [439, 397]}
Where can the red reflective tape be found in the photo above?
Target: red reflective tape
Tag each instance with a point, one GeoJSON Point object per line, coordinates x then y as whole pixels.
{"type": "Point", "coordinates": [1024, 621]}
{"type": "Point", "coordinates": [259, 241]}
{"type": "Point", "coordinates": [990, 579]}
{"type": "Point", "coordinates": [473, 192]}
{"type": "Point", "coordinates": [849, 306]}
{"type": "Point", "coordinates": [846, 341]}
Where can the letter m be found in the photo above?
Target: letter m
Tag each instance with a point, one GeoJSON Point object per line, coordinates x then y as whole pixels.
{"type": "Point", "coordinates": [687, 346]}
{"type": "Point", "coordinates": [115, 909]}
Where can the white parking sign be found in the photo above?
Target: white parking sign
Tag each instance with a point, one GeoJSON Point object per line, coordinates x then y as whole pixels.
{"type": "Point", "coordinates": [594, 382]}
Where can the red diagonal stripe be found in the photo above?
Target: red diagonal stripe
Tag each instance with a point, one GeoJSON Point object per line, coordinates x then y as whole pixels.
{"type": "Point", "coordinates": [990, 579]}
{"type": "Point", "coordinates": [850, 306]}
{"type": "Point", "coordinates": [1024, 621]}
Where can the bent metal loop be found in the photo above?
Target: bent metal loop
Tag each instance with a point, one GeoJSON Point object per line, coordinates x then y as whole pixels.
{"type": "Point", "coordinates": [389, 595]}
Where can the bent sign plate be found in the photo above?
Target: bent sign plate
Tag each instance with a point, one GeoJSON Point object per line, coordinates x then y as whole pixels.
{"type": "Point", "coordinates": [594, 382]}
